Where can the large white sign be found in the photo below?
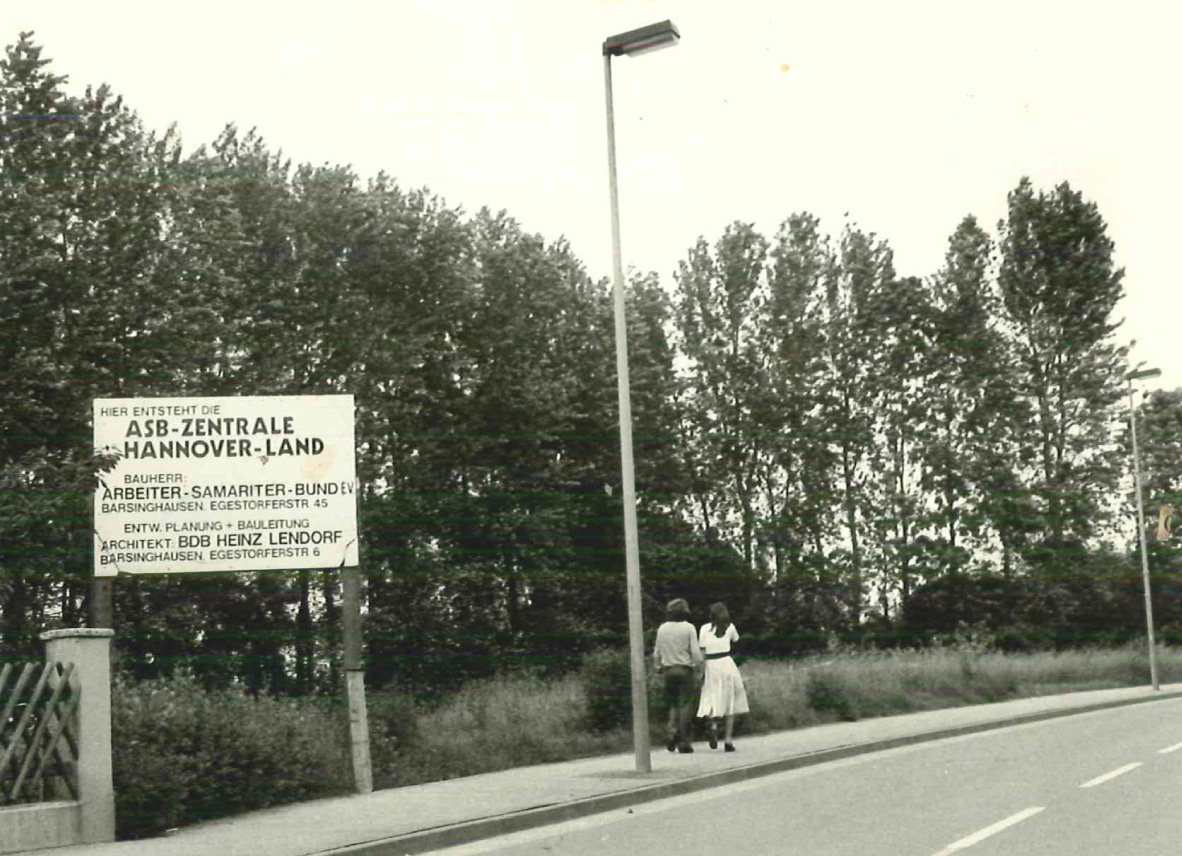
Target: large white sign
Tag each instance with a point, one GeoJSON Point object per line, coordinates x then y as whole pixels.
{"type": "Point", "coordinates": [225, 484]}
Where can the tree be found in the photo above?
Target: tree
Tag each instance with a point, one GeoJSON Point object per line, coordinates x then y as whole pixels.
{"type": "Point", "coordinates": [798, 474]}
{"type": "Point", "coordinates": [971, 451]}
{"type": "Point", "coordinates": [1059, 288]}
{"type": "Point", "coordinates": [903, 404]}
{"type": "Point", "coordinates": [82, 221]}
{"type": "Point", "coordinates": [721, 305]}
{"type": "Point", "coordinates": [1159, 419]}
{"type": "Point", "coordinates": [1159, 438]}
{"type": "Point", "coordinates": [852, 297]}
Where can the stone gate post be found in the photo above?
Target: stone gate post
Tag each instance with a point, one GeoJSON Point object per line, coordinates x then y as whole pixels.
{"type": "Point", "coordinates": [89, 649]}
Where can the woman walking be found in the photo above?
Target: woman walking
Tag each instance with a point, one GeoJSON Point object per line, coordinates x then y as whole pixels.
{"type": "Point", "coordinates": [723, 693]}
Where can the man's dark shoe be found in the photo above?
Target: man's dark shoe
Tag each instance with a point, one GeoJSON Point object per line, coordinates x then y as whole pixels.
{"type": "Point", "coordinates": [685, 749]}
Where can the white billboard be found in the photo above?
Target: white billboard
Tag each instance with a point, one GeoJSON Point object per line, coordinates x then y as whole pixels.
{"type": "Point", "coordinates": [225, 484]}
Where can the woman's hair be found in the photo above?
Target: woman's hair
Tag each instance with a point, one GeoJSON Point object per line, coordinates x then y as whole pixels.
{"type": "Point", "coordinates": [720, 618]}
{"type": "Point", "coordinates": [677, 610]}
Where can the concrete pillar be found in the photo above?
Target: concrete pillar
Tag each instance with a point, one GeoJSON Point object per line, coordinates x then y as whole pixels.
{"type": "Point", "coordinates": [359, 732]}
{"type": "Point", "coordinates": [355, 680]}
{"type": "Point", "coordinates": [89, 649]}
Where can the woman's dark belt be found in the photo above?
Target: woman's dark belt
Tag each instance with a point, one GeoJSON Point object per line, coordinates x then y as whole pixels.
{"type": "Point", "coordinates": [718, 656]}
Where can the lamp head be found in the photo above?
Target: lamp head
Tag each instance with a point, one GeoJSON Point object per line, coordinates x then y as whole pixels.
{"type": "Point", "coordinates": [642, 40]}
{"type": "Point", "coordinates": [1141, 374]}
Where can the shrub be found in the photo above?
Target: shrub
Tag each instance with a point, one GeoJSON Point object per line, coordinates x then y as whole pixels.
{"type": "Point", "coordinates": [608, 683]}
{"type": "Point", "coordinates": [827, 692]}
{"type": "Point", "coordinates": [181, 754]}
{"type": "Point", "coordinates": [607, 678]}
{"type": "Point", "coordinates": [394, 716]}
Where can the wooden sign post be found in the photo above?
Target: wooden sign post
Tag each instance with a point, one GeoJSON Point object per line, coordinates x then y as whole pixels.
{"type": "Point", "coordinates": [355, 680]}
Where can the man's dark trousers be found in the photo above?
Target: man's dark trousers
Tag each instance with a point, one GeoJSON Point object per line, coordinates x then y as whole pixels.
{"type": "Point", "coordinates": [679, 698]}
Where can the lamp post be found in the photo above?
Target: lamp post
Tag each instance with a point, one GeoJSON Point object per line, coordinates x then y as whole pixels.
{"type": "Point", "coordinates": [634, 42]}
{"type": "Point", "coordinates": [1130, 377]}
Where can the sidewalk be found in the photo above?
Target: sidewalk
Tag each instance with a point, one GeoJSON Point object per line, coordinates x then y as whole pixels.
{"type": "Point", "coordinates": [426, 817]}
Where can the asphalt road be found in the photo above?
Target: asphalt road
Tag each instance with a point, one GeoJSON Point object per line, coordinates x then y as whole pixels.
{"type": "Point", "coordinates": [1107, 783]}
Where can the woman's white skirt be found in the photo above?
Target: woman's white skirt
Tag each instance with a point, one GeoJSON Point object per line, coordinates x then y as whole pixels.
{"type": "Point", "coordinates": [723, 693]}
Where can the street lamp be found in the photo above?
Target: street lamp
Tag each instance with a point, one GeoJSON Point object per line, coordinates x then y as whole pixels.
{"type": "Point", "coordinates": [632, 43]}
{"type": "Point", "coordinates": [1130, 377]}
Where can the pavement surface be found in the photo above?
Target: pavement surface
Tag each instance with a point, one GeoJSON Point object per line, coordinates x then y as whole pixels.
{"type": "Point", "coordinates": [422, 818]}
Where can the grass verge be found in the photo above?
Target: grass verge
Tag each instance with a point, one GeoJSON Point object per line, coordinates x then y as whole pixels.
{"type": "Point", "coordinates": [182, 755]}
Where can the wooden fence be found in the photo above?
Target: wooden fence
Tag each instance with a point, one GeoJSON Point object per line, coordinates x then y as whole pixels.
{"type": "Point", "coordinates": [56, 787]}
{"type": "Point", "coordinates": [39, 740]}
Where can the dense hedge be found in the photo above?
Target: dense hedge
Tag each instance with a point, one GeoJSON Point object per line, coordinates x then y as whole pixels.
{"type": "Point", "coordinates": [182, 754]}
{"type": "Point", "coordinates": [607, 679]}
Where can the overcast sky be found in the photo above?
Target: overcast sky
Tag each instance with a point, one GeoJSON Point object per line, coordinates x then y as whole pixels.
{"type": "Point", "coordinates": [902, 116]}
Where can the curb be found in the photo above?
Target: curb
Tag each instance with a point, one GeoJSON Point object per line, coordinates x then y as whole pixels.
{"type": "Point", "coordinates": [451, 835]}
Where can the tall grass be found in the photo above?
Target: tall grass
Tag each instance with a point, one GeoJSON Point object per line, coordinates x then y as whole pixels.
{"type": "Point", "coordinates": [182, 755]}
{"type": "Point", "coordinates": [506, 721]}
{"type": "Point", "coordinates": [511, 720]}
{"type": "Point", "coordinates": [853, 685]}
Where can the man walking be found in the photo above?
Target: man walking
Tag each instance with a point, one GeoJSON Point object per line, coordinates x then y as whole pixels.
{"type": "Point", "coordinates": [677, 658]}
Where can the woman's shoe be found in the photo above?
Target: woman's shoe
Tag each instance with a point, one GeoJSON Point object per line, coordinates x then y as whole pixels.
{"type": "Point", "coordinates": [729, 747]}
{"type": "Point", "coordinates": [671, 742]}
{"type": "Point", "coordinates": [713, 735]}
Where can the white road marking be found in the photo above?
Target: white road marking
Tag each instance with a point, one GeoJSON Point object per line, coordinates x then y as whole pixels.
{"type": "Point", "coordinates": [557, 830]}
{"type": "Point", "coordinates": [1169, 749]}
{"type": "Point", "coordinates": [981, 835]}
{"type": "Point", "coordinates": [1120, 771]}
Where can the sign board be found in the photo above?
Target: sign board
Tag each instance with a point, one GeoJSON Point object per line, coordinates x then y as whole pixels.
{"type": "Point", "coordinates": [1165, 523]}
{"type": "Point", "coordinates": [225, 484]}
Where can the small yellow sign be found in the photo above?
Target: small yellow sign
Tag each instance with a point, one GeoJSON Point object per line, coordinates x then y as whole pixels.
{"type": "Point", "coordinates": [1165, 522]}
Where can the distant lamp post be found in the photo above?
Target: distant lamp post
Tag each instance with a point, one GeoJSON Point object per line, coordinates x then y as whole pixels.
{"type": "Point", "coordinates": [1141, 374]}
{"type": "Point", "coordinates": [632, 43]}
